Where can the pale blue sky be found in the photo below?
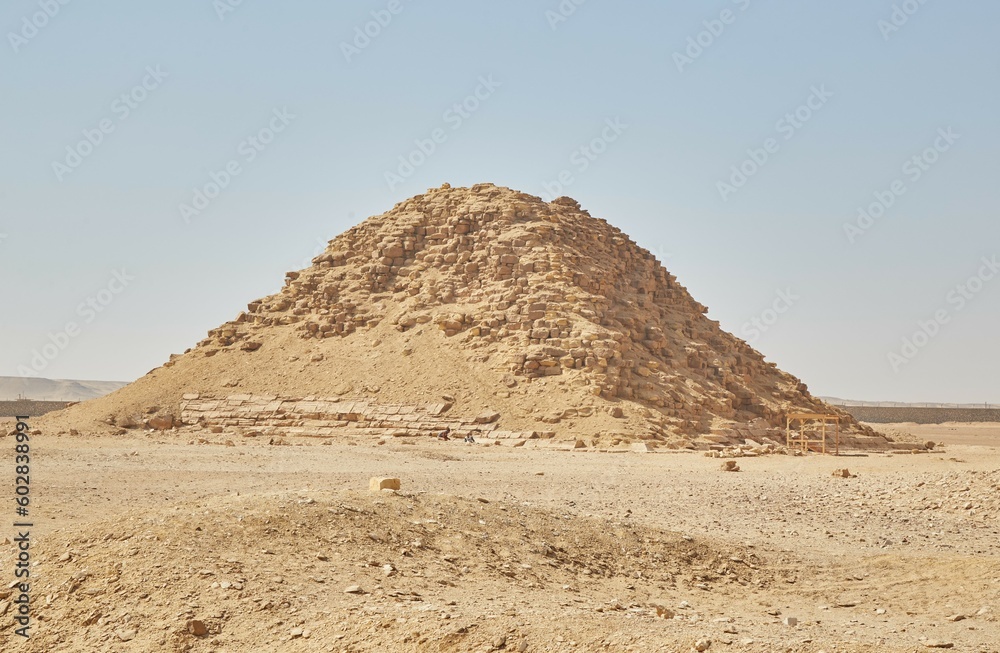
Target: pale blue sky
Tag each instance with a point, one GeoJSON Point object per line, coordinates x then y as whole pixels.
{"type": "Point", "coordinates": [884, 101]}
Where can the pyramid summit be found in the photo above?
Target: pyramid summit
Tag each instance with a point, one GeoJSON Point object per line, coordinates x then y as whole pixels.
{"type": "Point", "coordinates": [533, 313]}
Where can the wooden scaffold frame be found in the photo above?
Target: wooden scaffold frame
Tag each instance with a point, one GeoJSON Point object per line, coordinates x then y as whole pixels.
{"type": "Point", "coordinates": [812, 428]}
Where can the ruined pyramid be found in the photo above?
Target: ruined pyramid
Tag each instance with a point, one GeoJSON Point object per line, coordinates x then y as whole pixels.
{"type": "Point", "coordinates": [485, 306]}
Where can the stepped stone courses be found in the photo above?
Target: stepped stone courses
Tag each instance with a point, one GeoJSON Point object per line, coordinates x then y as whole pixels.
{"type": "Point", "coordinates": [319, 417]}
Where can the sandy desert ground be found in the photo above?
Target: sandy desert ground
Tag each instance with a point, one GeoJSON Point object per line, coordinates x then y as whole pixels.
{"type": "Point", "coordinates": [282, 548]}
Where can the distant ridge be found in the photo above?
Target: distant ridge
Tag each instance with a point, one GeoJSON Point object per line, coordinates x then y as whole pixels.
{"type": "Point", "coordinates": [837, 401]}
{"type": "Point", "coordinates": [15, 387]}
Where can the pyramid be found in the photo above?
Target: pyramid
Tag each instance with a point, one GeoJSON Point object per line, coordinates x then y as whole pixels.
{"type": "Point", "coordinates": [492, 302]}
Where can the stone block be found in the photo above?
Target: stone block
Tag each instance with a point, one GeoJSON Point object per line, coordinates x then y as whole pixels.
{"type": "Point", "coordinates": [162, 422]}
{"type": "Point", "coordinates": [376, 484]}
{"type": "Point", "coordinates": [487, 417]}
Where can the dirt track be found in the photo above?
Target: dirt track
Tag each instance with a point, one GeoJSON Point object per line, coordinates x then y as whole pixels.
{"type": "Point", "coordinates": [873, 562]}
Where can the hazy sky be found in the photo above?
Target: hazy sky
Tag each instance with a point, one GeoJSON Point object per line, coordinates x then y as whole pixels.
{"type": "Point", "coordinates": [115, 114]}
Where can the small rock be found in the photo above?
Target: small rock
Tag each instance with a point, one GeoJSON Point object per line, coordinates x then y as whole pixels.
{"type": "Point", "coordinates": [376, 484]}
{"type": "Point", "coordinates": [125, 635]}
{"type": "Point", "coordinates": [161, 422]}
{"type": "Point", "coordinates": [353, 589]}
{"type": "Point", "coordinates": [197, 628]}
{"type": "Point", "coordinates": [487, 417]}
{"type": "Point", "coordinates": [842, 473]}
{"type": "Point", "coordinates": [955, 617]}
{"type": "Point", "coordinates": [790, 621]}
{"type": "Point", "coordinates": [702, 645]}
{"type": "Point", "coordinates": [934, 643]}
{"type": "Point", "coordinates": [730, 466]}
{"type": "Point", "coordinates": [295, 632]}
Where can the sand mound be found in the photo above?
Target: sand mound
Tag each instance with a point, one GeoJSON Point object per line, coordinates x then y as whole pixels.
{"type": "Point", "coordinates": [498, 301]}
{"type": "Point", "coordinates": [360, 571]}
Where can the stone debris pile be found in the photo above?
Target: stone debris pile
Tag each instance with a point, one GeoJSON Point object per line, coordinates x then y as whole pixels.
{"type": "Point", "coordinates": [751, 449]}
{"type": "Point", "coordinates": [511, 296]}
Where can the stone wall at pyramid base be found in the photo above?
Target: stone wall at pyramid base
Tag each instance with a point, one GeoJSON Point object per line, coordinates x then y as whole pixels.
{"type": "Point", "coordinates": [274, 416]}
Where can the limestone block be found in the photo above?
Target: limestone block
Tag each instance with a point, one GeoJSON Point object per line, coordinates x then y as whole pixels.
{"type": "Point", "coordinates": [376, 484]}
{"type": "Point", "coordinates": [487, 417]}
{"type": "Point", "coordinates": [162, 422]}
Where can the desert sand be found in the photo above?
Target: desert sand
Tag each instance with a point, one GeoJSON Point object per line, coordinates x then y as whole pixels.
{"type": "Point", "coordinates": [283, 548]}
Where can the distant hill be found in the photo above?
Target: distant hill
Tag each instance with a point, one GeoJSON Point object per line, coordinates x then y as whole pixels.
{"type": "Point", "coordinates": [836, 401]}
{"type": "Point", "coordinates": [13, 387]}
